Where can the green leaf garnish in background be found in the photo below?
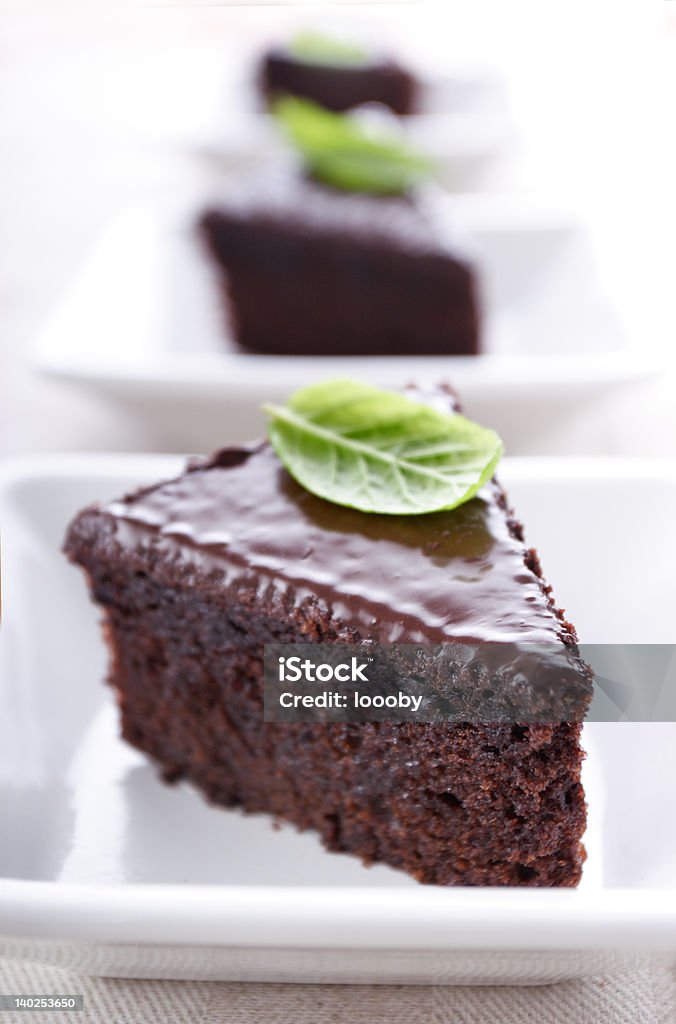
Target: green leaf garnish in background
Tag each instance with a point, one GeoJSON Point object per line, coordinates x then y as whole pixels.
{"type": "Point", "coordinates": [340, 150]}
{"type": "Point", "coordinates": [379, 451]}
{"type": "Point", "coordinates": [317, 48]}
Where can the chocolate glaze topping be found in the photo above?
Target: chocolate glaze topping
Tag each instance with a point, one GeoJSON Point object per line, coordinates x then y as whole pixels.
{"type": "Point", "coordinates": [463, 574]}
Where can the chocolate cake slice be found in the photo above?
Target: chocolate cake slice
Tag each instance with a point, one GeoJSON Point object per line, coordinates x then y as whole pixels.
{"type": "Point", "coordinates": [339, 85]}
{"type": "Point", "coordinates": [195, 575]}
{"type": "Point", "coordinates": [309, 270]}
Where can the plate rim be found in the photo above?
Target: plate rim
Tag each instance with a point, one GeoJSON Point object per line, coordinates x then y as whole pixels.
{"type": "Point", "coordinates": [346, 917]}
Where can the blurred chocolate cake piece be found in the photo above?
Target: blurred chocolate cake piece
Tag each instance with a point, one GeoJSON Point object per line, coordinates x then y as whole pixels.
{"type": "Point", "coordinates": [337, 76]}
{"type": "Point", "coordinates": [307, 269]}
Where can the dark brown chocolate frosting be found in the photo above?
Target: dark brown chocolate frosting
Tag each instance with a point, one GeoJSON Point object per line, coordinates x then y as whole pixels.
{"type": "Point", "coordinates": [463, 574]}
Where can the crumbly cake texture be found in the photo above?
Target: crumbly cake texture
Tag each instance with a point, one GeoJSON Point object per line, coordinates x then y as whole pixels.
{"type": "Point", "coordinates": [339, 87]}
{"type": "Point", "coordinates": [195, 575]}
{"type": "Point", "coordinates": [306, 269]}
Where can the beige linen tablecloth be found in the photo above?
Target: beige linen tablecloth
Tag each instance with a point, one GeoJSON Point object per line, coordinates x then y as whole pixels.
{"type": "Point", "coordinates": [644, 995]}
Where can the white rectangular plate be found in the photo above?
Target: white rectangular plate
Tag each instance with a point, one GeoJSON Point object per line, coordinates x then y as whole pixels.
{"type": "Point", "coordinates": [96, 851]}
{"type": "Point", "coordinates": [144, 324]}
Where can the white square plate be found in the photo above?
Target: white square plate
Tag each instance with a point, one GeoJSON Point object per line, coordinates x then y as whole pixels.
{"type": "Point", "coordinates": [143, 324]}
{"type": "Point", "coordinates": [128, 876]}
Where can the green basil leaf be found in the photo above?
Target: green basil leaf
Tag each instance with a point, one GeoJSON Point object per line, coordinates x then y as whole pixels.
{"type": "Point", "coordinates": [339, 150]}
{"type": "Point", "coordinates": [316, 48]}
{"type": "Point", "coordinates": [379, 451]}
